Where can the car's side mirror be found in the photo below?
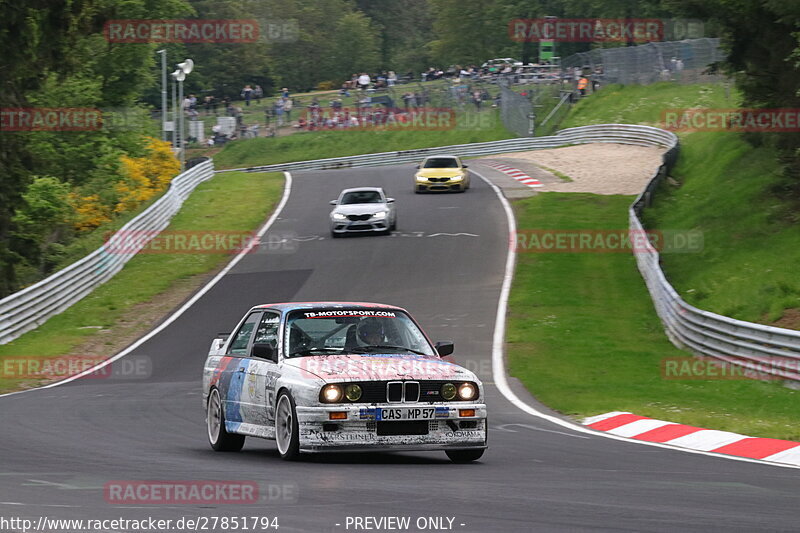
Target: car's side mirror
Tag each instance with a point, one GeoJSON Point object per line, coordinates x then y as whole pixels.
{"type": "Point", "coordinates": [390, 200]}
{"type": "Point", "coordinates": [333, 202]}
{"type": "Point", "coordinates": [444, 348]}
{"type": "Point", "coordinates": [416, 166]}
{"type": "Point", "coordinates": [464, 166]}
{"type": "Point", "coordinates": [264, 351]}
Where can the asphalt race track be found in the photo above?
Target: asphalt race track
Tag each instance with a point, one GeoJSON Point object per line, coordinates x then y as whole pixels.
{"type": "Point", "coordinates": [61, 445]}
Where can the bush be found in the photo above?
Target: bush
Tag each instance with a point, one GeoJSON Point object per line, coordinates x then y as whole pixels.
{"type": "Point", "coordinates": [326, 86]}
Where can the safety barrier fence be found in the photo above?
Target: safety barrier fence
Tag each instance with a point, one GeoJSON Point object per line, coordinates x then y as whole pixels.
{"type": "Point", "coordinates": [27, 309]}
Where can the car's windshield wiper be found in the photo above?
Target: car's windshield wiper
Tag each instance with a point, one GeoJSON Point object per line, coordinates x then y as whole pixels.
{"type": "Point", "coordinates": [309, 351]}
{"type": "Point", "coordinates": [368, 349]}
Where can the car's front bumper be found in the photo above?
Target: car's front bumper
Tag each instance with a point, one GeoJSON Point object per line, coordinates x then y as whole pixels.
{"type": "Point", "coordinates": [360, 431]}
{"type": "Point", "coordinates": [360, 226]}
{"type": "Point", "coordinates": [441, 185]}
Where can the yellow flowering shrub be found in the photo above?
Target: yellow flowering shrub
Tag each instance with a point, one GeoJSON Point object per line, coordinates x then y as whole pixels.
{"type": "Point", "coordinates": [89, 211]}
{"type": "Point", "coordinates": [144, 177]}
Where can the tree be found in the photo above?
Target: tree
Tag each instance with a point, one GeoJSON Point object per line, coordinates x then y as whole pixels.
{"type": "Point", "coordinates": [355, 47]}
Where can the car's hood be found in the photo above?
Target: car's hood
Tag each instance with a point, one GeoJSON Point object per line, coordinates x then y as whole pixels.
{"type": "Point", "coordinates": [378, 367]}
{"type": "Point", "coordinates": [439, 172]}
{"type": "Point", "coordinates": [360, 209]}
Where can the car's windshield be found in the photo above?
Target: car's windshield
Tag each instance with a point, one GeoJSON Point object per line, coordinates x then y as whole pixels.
{"type": "Point", "coordinates": [440, 162]}
{"type": "Point", "coordinates": [353, 331]}
{"type": "Point", "coordinates": [361, 197]}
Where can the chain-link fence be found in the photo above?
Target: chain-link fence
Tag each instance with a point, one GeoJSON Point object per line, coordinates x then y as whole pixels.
{"type": "Point", "coordinates": [681, 61]}
{"type": "Point", "coordinates": [515, 112]}
{"type": "Point", "coordinates": [684, 61]}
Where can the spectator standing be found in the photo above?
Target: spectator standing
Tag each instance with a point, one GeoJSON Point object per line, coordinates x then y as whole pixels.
{"type": "Point", "coordinates": [363, 81]}
{"type": "Point", "coordinates": [391, 78]}
{"type": "Point", "coordinates": [278, 108]}
{"type": "Point", "coordinates": [285, 92]}
{"type": "Point", "coordinates": [582, 83]}
{"type": "Point", "coordinates": [477, 98]}
{"type": "Point", "coordinates": [258, 92]}
{"type": "Point", "coordinates": [287, 109]}
{"type": "Point", "coordinates": [247, 93]}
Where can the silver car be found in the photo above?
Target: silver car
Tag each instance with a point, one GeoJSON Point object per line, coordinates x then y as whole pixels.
{"type": "Point", "coordinates": [363, 210]}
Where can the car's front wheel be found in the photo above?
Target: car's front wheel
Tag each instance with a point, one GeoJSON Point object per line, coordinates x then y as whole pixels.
{"type": "Point", "coordinates": [464, 456]}
{"type": "Point", "coordinates": [218, 436]}
{"type": "Point", "coordinates": [287, 432]}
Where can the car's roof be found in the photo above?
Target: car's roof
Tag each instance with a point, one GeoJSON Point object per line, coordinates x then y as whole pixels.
{"type": "Point", "coordinates": [291, 306]}
{"type": "Point", "coordinates": [441, 156]}
{"type": "Point", "coordinates": [359, 189]}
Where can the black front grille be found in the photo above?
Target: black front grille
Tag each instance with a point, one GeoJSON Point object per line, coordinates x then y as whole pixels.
{"type": "Point", "coordinates": [438, 179]}
{"type": "Point", "coordinates": [394, 391]}
{"type": "Point", "coordinates": [360, 226]}
{"type": "Point", "coordinates": [405, 427]}
{"type": "Point", "coordinates": [412, 391]}
{"type": "Point", "coordinates": [355, 218]}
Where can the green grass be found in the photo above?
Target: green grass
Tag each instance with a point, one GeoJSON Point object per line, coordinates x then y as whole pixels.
{"type": "Point", "coordinates": [232, 201]}
{"type": "Point", "coordinates": [584, 338]}
{"type": "Point", "coordinates": [470, 128]}
{"type": "Point", "coordinates": [748, 266]}
{"type": "Point", "coordinates": [636, 104]}
{"type": "Point", "coordinates": [746, 269]}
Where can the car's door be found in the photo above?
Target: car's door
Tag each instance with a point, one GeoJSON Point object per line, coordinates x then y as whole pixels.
{"type": "Point", "coordinates": [262, 373]}
{"type": "Point", "coordinates": [231, 383]}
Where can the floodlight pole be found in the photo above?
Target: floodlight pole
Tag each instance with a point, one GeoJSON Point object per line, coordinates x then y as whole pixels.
{"type": "Point", "coordinates": [163, 53]}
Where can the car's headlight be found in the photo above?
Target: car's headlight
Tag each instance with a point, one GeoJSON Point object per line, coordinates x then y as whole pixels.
{"type": "Point", "coordinates": [420, 177]}
{"type": "Point", "coordinates": [457, 177]}
{"type": "Point", "coordinates": [352, 392]}
{"type": "Point", "coordinates": [330, 394]}
{"type": "Point", "coordinates": [338, 216]}
{"type": "Point", "coordinates": [448, 391]}
{"type": "Point", "coordinates": [467, 391]}
{"type": "Point", "coordinates": [379, 215]}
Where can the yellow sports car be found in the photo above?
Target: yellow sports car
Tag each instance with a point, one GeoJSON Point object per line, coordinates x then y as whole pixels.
{"type": "Point", "coordinates": [441, 173]}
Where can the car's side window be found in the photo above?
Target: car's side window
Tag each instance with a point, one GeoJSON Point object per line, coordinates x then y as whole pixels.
{"type": "Point", "coordinates": [267, 331]}
{"type": "Point", "coordinates": [242, 337]}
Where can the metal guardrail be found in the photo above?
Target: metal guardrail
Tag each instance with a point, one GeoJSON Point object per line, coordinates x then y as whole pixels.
{"type": "Point", "coordinates": [769, 350]}
{"type": "Point", "coordinates": [584, 134]}
{"type": "Point", "coordinates": [27, 309]}
{"type": "Point", "coordinates": [764, 350]}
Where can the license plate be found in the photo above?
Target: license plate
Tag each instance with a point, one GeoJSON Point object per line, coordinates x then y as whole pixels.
{"type": "Point", "coordinates": [412, 413]}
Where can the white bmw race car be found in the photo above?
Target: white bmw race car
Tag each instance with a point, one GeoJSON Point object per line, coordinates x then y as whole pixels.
{"type": "Point", "coordinates": [334, 376]}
